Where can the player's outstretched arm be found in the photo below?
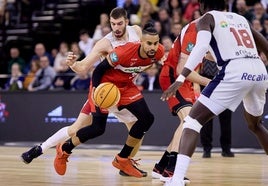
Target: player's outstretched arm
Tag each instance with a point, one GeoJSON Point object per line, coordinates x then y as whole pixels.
{"type": "Point", "coordinates": [101, 48]}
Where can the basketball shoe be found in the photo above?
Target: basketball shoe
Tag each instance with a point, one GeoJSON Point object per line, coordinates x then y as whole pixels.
{"type": "Point", "coordinates": [175, 183]}
{"type": "Point", "coordinates": [144, 173]}
{"type": "Point", "coordinates": [127, 165]}
{"type": "Point", "coordinates": [28, 156]}
{"type": "Point", "coordinates": [157, 171]}
{"type": "Point", "coordinates": [168, 173]}
{"type": "Point", "coordinates": [60, 161]}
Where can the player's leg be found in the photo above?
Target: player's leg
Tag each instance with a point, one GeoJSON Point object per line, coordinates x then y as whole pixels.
{"type": "Point", "coordinates": [206, 138]}
{"type": "Point", "coordinates": [173, 147]}
{"type": "Point", "coordinates": [198, 115]}
{"type": "Point", "coordinates": [254, 105]}
{"type": "Point", "coordinates": [145, 119]}
{"type": "Point", "coordinates": [64, 150]}
{"type": "Point", "coordinates": [134, 152]}
{"type": "Point", "coordinates": [84, 118]}
{"type": "Point", "coordinates": [138, 145]}
{"type": "Point", "coordinates": [225, 119]}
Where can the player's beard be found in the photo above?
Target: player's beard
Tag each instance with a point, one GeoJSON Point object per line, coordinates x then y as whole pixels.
{"type": "Point", "coordinates": [118, 34]}
{"type": "Point", "coordinates": [151, 53]}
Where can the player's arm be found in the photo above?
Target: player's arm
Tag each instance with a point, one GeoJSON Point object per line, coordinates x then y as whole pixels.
{"type": "Point", "coordinates": [193, 76]}
{"type": "Point", "coordinates": [205, 26]}
{"type": "Point", "coordinates": [99, 72]}
{"type": "Point", "coordinates": [83, 66]}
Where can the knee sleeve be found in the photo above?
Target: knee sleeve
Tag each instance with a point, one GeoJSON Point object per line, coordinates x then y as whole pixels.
{"type": "Point", "coordinates": [141, 126]}
{"type": "Point", "coordinates": [191, 123]}
{"type": "Point", "coordinates": [96, 129]}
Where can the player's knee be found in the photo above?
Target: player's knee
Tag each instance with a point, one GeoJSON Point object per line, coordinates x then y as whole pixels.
{"type": "Point", "coordinates": [191, 123]}
{"type": "Point", "coordinates": [96, 129]}
{"type": "Point", "coordinates": [254, 127]}
{"type": "Point", "coordinates": [141, 126]}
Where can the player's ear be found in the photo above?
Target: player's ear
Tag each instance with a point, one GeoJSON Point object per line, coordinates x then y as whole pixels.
{"type": "Point", "coordinates": [127, 21]}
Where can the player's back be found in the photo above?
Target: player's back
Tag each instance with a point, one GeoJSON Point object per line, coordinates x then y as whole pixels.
{"type": "Point", "coordinates": [232, 37]}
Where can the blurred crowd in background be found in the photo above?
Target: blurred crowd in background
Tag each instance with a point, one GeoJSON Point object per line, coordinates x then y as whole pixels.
{"type": "Point", "coordinates": [37, 34]}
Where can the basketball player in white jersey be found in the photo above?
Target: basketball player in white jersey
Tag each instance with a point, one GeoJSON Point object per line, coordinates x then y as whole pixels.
{"type": "Point", "coordinates": [121, 34]}
{"type": "Point", "coordinates": [242, 77]}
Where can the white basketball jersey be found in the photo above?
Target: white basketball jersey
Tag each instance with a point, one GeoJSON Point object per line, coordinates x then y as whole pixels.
{"type": "Point", "coordinates": [232, 38]}
{"type": "Point", "coordinates": [132, 37]}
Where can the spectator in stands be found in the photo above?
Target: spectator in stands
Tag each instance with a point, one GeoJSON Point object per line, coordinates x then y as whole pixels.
{"type": "Point", "coordinates": [151, 78]}
{"type": "Point", "coordinates": [190, 7]}
{"type": "Point", "coordinates": [54, 52]}
{"type": "Point", "coordinates": [260, 12]}
{"type": "Point", "coordinates": [176, 16]}
{"type": "Point", "coordinates": [2, 11]}
{"type": "Point", "coordinates": [242, 9]}
{"type": "Point", "coordinates": [265, 4]}
{"type": "Point", "coordinates": [175, 30]}
{"type": "Point", "coordinates": [86, 43]}
{"type": "Point", "coordinates": [16, 58]}
{"type": "Point", "coordinates": [44, 76]}
{"type": "Point", "coordinates": [61, 57]}
{"type": "Point", "coordinates": [196, 14]}
{"type": "Point", "coordinates": [40, 51]}
{"type": "Point", "coordinates": [147, 12]}
{"type": "Point", "coordinates": [174, 5]}
{"type": "Point", "coordinates": [15, 82]}
{"type": "Point", "coordinates": [256, 24]}
{"type": "Point", "coordinates": [34, 67]}
{"type": "Point", "coordinates": [80, 82]}
{"type": "Point", "coordinates": [63, 78]}
{"type": "Point", "coordinates": [130, 7]}
{"type": "Point", "coordinates": [158, 27]}
{"type": "Point", "coordinates": [104, 22]}
{"type": "Point", "coordinates": [77, 51]}
{"type": "Point", "coordinates": [165, 20]}
{"type": "Point", "coordinates": [106, 30]}
{"type": "Point", "coordinates": [167, 43]}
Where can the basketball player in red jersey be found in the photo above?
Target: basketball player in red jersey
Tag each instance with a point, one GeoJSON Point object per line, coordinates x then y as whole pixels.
{"type": "Point", "coordinates": [121, 33]}
{"type": "Point", "coordinates": [184, 98]}
{"type": "Point", "coordinates": [121, 67]}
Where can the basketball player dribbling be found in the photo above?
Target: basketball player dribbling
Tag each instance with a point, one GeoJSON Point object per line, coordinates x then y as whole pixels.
{"type": "Point", "coordinates": [121, 67]}
{"type": "Point", "coordinates": [121, 34]}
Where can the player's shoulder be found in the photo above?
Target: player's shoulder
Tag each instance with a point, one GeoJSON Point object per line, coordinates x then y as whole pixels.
{"type": "Point", "coordinates": [137, 29]}
{"type": "Point", "coordinates": [103, 44]}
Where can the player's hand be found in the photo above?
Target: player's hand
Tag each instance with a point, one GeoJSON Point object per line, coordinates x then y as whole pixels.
{"type": "Point", "coordinates": [92, 95]}
{"type": "Point", "coordinates": [71, 58]}
{"type": "Point", "coordinates": [171, 91]}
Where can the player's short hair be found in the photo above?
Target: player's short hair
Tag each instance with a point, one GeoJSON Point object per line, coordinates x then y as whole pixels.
{"type": "Point", "coordinates": [149, 29]}
{"type": "Point", "coordinates": [213, 4]}
{"type": "Point", "coordinates": [118, 12]}
{"type": "Point", "coordinates": [83, 31]}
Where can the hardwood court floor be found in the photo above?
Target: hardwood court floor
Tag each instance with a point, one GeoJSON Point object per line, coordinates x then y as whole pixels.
{"type": "Point", "coordinates": [91, 167]}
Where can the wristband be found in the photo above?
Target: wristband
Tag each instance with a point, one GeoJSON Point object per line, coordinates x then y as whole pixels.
{"type": "Point", "coordinates": [181, 78]}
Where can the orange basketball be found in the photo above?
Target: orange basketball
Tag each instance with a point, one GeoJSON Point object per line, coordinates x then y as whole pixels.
{"type": "Point", "coordinates": [106, 95]}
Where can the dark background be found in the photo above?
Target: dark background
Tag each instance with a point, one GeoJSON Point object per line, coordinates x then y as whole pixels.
{"type": "Point", "coordinates": [27, 114]}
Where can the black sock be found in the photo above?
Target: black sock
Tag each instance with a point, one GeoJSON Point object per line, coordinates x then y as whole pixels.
{"type": "Point", "coordinates": [172, 160]}
{"type": "Point", "coordinates": [126, 151]}
{"type": "Point", "coordinates": [68, 146]}
{"type": "Point", "coordinates": [164, 160]}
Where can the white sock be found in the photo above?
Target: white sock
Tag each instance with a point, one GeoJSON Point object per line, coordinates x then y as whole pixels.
{"type": "Point", "coordinates": [59, 137]}
{"type": "Point", "coordinates": [181, 168]}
